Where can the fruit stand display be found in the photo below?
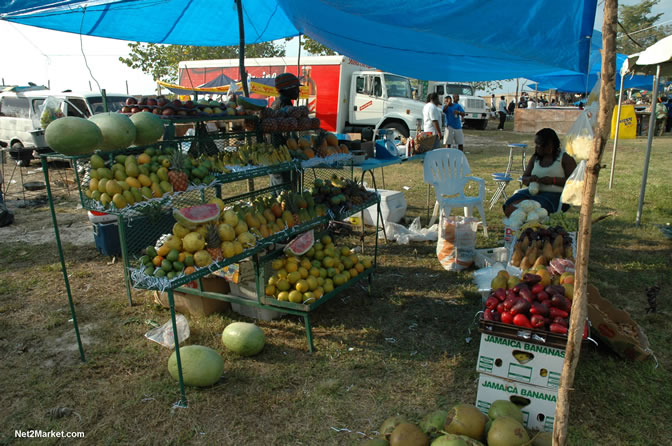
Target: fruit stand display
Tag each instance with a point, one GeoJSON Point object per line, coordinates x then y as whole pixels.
{"type": "Point", "coordinates": [170, 198]}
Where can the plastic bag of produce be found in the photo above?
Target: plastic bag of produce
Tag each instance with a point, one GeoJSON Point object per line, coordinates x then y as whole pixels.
{"type": "Point", "coordinates": [573, 190]}
{"type": "Point", "coordinates": [456, 245]}
{"type": "Point", "coordinates": [579, 141]}
{"type": "Point", "coordinates": [49, 111]}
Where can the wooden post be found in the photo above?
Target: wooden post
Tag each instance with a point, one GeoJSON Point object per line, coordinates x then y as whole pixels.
{"type": "Point", "coordinates": [579, 303]}
{"type": "Point", "coordinates": [241, 51]}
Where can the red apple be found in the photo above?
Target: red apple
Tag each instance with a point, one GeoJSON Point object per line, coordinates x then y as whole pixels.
{"type": "Point", "coordinates": [168, 111]}
{"type": "Point", "coordinates": [143, 101]}
{"type": "Point", "coordinates": [161, 102]}
{"type": "Point", "coordinates": [146, 109]}
{"type": "Point", "coordinates": [151, 101]}
{"type": "Point", "coordinates": [125, 109]}
{"type": "Point", "coordinates": [189, 105]}
{"type": "Point", "coordinates": [181, 113]}
{"type": "Point", "coordinates": [131, 101]}
{"type": "Point", "coordinates": [135, 109]}
{"type": "Point", "coordinates": [156, 111]}
{"type": "Point", "coordinates": [177, 103]}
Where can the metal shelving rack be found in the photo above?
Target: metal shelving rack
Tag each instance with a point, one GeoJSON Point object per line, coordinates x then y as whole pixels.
{"type": "Point", "coordinates": [263, 252]}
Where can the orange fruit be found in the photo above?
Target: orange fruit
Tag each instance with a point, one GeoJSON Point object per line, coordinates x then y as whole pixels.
{"type": "Point", "coordinates": [163, 250]}
{"type": "Point", "coordinates": [189, 270]}
{"type": "Point", "coordinates": [157, 260]}
{"type": "Point", "coordinates": [182, 257]}
{"type": "Point", "coordinates": [143, 158]}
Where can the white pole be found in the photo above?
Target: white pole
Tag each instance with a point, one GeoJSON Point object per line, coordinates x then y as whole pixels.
{"type": "Point", "coordinates": [618, 126]}
{"type": "Point", "coordinates": [652, 129]}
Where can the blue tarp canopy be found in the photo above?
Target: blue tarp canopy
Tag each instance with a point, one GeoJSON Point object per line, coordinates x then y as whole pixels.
{"type": "Point", "coordinates": [459, 40]}
{"type": "Point", "coordinates": [572, 82]}
{"type": "Point", "coordinates": [220, 81]}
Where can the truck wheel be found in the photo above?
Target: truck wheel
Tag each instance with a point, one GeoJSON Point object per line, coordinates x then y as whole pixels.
{"type": "Point", "coordinates": [21, 155]}
{"type": "Point", "coordinates": [398, 129]}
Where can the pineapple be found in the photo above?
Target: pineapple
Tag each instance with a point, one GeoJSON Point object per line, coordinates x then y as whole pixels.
{"type": "Point", "coordinates": [176, 175]}
{"type": "Point", "coordinates": [213, 242]}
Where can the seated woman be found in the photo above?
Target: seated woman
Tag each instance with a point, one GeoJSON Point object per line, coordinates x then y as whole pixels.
{"type": "Point", "coordinates": [550, 167]}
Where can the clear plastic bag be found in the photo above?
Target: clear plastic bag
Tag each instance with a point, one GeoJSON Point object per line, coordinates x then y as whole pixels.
{"type": "Point", "coordinates": [456, 246]}
{"type": "Point", "coordinates": [164, 334]}
{"type": "Point", "coordinates": [50, 110]}
{"type": "Point", "coordinates": [579, 141]}
{"type": "Point", "coordinates": [573, 190]}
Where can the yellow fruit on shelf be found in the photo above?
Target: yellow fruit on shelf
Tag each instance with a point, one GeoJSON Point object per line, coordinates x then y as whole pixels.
{"type": "Point", "coordinates": [202, 258]}
{"type": "Point", "coordinates": [284, 296]}
{"type": "Point", "coordinates": [296, 296]}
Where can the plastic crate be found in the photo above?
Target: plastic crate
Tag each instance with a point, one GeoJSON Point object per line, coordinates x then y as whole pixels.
{"type": "Point", "coordinates": [106, 236]}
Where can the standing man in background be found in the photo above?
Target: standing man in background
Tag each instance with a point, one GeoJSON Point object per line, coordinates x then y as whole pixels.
{"type": "Point", "coordinates": [454, 114]}
{"type": "Point", "coordinates": [432, 119]}
{"type": "Point", "coordinates": [501, 109]}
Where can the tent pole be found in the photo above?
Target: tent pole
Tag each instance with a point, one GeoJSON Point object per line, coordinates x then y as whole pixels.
{"type": "Point", "coordinates": [298, 60]}
{"type": "Point", "coordinates": [580, 299]}
{"type": "Point", "coordinates": [241, 28]}
{"type": "Point", "coordinates": [618, 126]}
{"type": "Point", "coordinates": [652, 130]}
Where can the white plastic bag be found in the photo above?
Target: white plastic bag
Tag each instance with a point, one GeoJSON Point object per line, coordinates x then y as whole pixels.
{"type": "Point", "coordinates": [573, 190]}
{"type": "Point", "coordinates": [456, 245]}
{"type": "Point", "coordinates": [414, 233]}
{"type": "Point", "coordinates": [579, 141]}
{"type": "Point", "coordinates": [164, 334]}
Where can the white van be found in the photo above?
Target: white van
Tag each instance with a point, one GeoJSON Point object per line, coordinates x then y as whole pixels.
{"type": "Point", "coordinates": [20, 113]}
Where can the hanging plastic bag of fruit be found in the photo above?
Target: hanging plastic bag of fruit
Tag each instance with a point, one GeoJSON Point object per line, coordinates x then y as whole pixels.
{"type": "Point", "coordinates": [572, 193]}
{"type": "Point", "coordinates": [579, 140]}
{"type": "Point", "coordinates": [49, 111]}
{"type": "Point", "coordinates": [456, 245]}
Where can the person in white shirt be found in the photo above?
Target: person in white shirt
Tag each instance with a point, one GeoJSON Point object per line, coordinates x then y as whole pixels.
{"type": "Point", "coordinates": [531, 104]}
{"type": "Point", "coordinates": [501, 109]}
{"type": "Point", "coordinates": [431, 117]}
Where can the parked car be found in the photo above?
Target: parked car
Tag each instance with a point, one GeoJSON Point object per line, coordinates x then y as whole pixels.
{"type": "Point", "coordinates": [21, 112]}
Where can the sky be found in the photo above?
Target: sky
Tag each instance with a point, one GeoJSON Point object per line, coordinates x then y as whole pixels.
{"type": "Point", "coordinates": [51, 57]}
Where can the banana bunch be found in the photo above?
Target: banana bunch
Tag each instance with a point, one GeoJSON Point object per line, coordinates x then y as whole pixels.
{"type": "Point", "coordinates": [531, 224]}
{"type": "Point", "coordinates": [257, 154]}
{"type": "Point", "coordinates": [522, 357]}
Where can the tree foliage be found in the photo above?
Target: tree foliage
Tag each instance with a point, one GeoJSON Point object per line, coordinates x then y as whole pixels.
{"type": "Point", "coordinates": [639, 17]}
{"type": "Point", "coordinates": [315, 48]}
{"type": "Point", "coordinates": [487, 86]}
{"type": "Point", "coordinates": [160, 61]}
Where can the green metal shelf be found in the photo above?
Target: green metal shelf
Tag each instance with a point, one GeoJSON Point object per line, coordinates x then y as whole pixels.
{"type": "Point", "coordinates": [260, 246]}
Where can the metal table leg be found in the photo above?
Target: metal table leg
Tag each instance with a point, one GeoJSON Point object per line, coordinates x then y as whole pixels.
{"type": "Point", "coordinates": [125, 258]}
{"type": "Point", "coordinates": [45, 170]}
{"type": "Point", "coordinates": [171, 303]}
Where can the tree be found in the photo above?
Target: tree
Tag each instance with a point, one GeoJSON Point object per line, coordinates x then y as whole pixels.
{"type": "Point", "coordinates": [638, 17]}
{"type": "Point", "coordinates": [315, 48]}
{"type": "Point", "coordinates": [160, 61]}
{"type": "Point", "coordinates": [486, 85]}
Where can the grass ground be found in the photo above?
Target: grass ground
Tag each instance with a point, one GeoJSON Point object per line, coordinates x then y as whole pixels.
{"type": "Point", "coordinates": [401, 351]}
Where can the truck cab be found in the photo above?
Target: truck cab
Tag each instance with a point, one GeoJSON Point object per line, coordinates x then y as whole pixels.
{"type": "Point", "coordinates": [475, 109]}
{"type": "Point", "coordinates": [383, 100]}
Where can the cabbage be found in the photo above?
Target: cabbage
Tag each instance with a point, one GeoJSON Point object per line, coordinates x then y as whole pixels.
{"type": "Point", "coordinates": [533, 188]}
{"type": "Point", "coordinates": [527, 205]}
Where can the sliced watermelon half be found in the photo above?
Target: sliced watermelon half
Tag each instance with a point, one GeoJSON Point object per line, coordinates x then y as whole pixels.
{"type": "Point", "coordinates": [301, 244]}
{"type": "Point", "coordinates": [196, 215]}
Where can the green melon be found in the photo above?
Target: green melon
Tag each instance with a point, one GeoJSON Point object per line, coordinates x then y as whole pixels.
{"type": "Point", "coordinates": [118, 130]}
{"type": "Point", "coordinates": [201, 366]}
{"type": "Point", "coordinates": [243, 338]}
{"type": "Point", "coordinates": [148, 128]}
{"type": "Point", "coordinates": [73, 136]}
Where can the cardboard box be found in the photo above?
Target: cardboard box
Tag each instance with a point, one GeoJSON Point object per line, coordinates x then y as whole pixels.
{"type": "Point", "coordinates": [525, 362]}
{"type": "Point", "coordinates": [248, 290]}
{"type": "Point", "coordinates": [536, 403]}
{"type": "Point", "coordinates": [615, 328]}
{"type": "Point", "coordinates": [198, 305]}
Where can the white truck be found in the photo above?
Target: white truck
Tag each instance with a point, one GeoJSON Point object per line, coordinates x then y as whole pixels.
{"type": "Point", "coordinates": [475, 109]}
{"type": "Point", "coordinates": [347, 96]}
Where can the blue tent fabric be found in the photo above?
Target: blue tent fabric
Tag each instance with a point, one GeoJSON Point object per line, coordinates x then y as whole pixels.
{"type": "Point", "coordinates": [184, 22]}
{"type": "Point", "coordinates": [220, 81]}
{"type": "Point", "coordinates": [572, 82]}
{"type": "Point", "coordinates": [411, 37]}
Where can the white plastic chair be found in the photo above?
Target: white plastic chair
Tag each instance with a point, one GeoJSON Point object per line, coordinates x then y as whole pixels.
{"type": "Point", "coordinates": [448, 171]}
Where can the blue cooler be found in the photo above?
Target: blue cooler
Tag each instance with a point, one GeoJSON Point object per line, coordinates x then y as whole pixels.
{"type": "Point", "coordinates": [105, 233]}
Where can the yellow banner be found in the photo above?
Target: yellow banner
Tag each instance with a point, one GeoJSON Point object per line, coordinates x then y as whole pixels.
{"type": "Point", "coordinates": [255, 87]}
{"type": "Point", "coordinates": [627, 125]}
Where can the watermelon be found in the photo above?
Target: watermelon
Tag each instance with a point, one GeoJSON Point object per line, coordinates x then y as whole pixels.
{"type": "Point", "coordinates": [201, 366]}
{"type": "Point", "coordinates": [196, 215]}
{"type": "Point", "coordinates": [301, 244]}
{"type": "Point", "coordinates": [251, 103]}
{"type": "Point", "coordinates": [148, 128]}
{"type": "Point", "coordinates": [118, 130]}
{"type": "Point", "coordinates": [73, 136]}
{"type": "Point", "coordinates": [243, 338]}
